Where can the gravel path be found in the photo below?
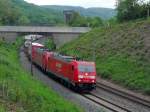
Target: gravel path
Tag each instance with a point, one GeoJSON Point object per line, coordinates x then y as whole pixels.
{"type": "Point", "coordinates": [87, 105]}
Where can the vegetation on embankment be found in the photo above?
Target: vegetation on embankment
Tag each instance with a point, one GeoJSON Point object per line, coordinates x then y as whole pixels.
{"type": "Point", "coordinates": [19, 91]}
{"type": "Point", "coordinates": [122, 53]}
{"type": "Point", "coordinates": [49, 44]}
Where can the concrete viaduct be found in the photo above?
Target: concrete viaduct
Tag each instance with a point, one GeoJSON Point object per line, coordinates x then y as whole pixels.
{"type": "Point", "coordinates": [60, 35]}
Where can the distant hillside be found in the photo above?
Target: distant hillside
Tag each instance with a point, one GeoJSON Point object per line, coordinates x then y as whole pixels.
{"type": "Point", "coordinates": [19, 12]}
{"type": "Point", "coordinates": [38, 15]}
{"type": "Point", "coordinates": [104, 13]}
{"type": "Point", "coordinates": [122, 53]}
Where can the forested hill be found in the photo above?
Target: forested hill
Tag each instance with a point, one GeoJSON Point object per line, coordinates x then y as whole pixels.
{"type": "Point", "coordinates": [104, 13]}
{"type": "Point", "coordinates": [19, 12]}
{"type": "Point", "coordinates": [29, 14]}
{"type": "Point", "coordinates": [38, 14]}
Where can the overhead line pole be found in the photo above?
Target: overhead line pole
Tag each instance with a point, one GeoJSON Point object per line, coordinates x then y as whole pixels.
{"type": "Point", "coordinates": [94, 51]}
{"type": "Point", "coordinates": [31, 58]}
{"type": "Point", "coordinates": [148, 12]}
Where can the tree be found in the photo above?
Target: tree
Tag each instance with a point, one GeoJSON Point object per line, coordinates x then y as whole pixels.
{"type": "Point", "coordinates": [23, 20]}
{"type": "Point", "coordinates": [8, 13]}
{"type": "Point", "coordinates": [50, 44]}
{"type": "Point", "coordinates": [127, 10]}
{"type": "Point", "coordinates": [131, 9]}
{"type": "Point", "coordinates": [95, 22]}
{"type": "Point", "coordinates": [81, 21]}
{"type": "Point", "coordinates": [77, 20]}
{"type": "Point", "coordinates": [18, 12]}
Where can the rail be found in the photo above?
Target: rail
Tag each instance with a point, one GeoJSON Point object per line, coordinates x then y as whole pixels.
{"type": "Point", "coordinates": [124, 94]}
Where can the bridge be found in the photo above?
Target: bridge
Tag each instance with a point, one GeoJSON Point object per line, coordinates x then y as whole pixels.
{"type": "Point", "coordinates": [60, 35]}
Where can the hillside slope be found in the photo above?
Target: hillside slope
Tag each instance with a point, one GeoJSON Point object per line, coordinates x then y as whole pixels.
{"type": "Point", "coordinates": [122, 53]}
{"type": "Point", "coordinates": [19, 12]}
{"type": "Point", "coordinates": [105, 13]}
{"type": "Point", "coordinates": [38, 15]}
{"type": "Point", "coordinates": [20, 92]}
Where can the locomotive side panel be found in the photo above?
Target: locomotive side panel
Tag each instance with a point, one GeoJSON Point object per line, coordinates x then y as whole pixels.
{"type": "Point", "coordinates": [58, 67]}
{"type": "Point", "coordinates": [38, 58]}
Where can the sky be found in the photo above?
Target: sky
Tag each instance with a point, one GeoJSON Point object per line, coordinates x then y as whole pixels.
{"type": "Point", "coordinates": [82, 3]}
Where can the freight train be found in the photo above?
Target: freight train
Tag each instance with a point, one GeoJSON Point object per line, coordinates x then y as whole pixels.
{"type": "Point", "coordinates": [78, 74]}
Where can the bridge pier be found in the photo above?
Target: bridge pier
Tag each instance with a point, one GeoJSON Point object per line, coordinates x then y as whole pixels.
{"type": "Point", "coordinates": [62, 38]}
{"type": "Point", "coordinates": [8, 36]}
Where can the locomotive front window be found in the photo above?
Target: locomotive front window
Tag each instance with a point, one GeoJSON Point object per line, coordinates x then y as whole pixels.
{"type": "Point", "coordinates": [85, 68]}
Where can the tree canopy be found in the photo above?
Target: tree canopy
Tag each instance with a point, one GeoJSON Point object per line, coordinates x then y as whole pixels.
{"type": "Point", "coordinates": [8, 13]}
{"type": "Point", "coordinates": [81, 21]}
{"type": "Point", "coordinates": [18, 12]}
{"type": "Point", "coordinates": [132, 9]}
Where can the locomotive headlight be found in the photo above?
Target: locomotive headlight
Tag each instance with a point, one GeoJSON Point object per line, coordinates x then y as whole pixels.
{"type": "Point", "coordinates": [80, 76]}
{"type": "Point", "coordinates": [86, 74]}
{"type": "Point", "coordinates": [92, 77]}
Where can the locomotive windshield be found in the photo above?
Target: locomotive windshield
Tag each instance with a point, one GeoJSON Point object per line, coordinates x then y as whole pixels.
{"type": "Point", "coordinates": [86, 68]}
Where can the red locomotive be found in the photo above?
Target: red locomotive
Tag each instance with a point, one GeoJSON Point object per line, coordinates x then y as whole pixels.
{"type": "Point", "coordinates": [79, 74]}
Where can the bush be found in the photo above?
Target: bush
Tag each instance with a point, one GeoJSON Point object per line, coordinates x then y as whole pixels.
{"type": "Point", "coordinates": [50, 44]}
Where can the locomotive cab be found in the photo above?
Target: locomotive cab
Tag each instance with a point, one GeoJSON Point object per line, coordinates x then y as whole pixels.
{"type": "Point", "coordinates": [33, 48]}
{"type": "Point", "coordinates": [86, 75]}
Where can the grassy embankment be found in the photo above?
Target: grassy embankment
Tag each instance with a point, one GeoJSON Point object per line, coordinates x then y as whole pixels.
{"type": "Point", "coordinates": [20, 92]}
{"type": "Point", "coordinates": [122, 53]}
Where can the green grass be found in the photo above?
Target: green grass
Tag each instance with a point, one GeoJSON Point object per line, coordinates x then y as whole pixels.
{"type": "Point", "coordinates": [2, 109]}
{"type": "Point", "coordinates": [122, 53]}
{"type": "Point", "coordinates": [21, 92]}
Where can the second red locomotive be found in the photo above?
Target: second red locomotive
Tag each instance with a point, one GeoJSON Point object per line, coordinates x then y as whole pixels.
{"type": "Point", "coordinates": [79, 74]}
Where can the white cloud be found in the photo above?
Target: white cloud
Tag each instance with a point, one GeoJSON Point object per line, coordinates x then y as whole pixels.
{"type": "Point", "coordinates": [83, 3]}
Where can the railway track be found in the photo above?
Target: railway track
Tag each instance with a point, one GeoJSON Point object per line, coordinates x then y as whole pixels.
{"type": "Point", "coordinates": [106, 103]}
{"type": "Point", "coordinates": [110, 105]}
{"type": "Point", "coordinates": [125, 95]}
